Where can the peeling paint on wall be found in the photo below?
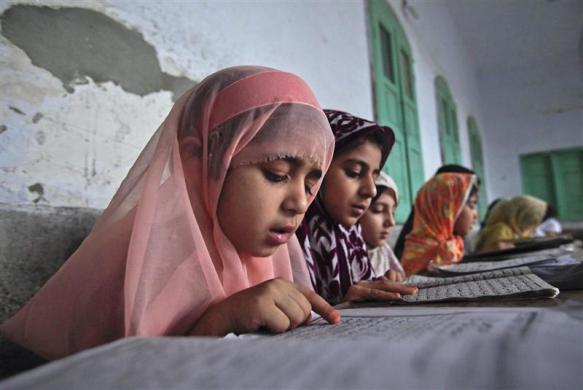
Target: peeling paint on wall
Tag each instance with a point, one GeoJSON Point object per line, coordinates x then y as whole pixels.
{"type": "Point", "coordinates": [38, 189]}
{"type": "Point", "coordinates": [123, 63]}
{"type": "Point", "coordinates": [74, 44]}
{"type": "Point", "coordinates": [16, 110]}
{"type": "Point", "coordinates": [37, 117]}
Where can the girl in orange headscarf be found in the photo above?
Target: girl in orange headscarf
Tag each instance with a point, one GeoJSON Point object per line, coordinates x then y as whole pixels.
{"type": "Point", "coordinates": [445, 210]}
{"type": "Point", "coordinates": [199, 239]}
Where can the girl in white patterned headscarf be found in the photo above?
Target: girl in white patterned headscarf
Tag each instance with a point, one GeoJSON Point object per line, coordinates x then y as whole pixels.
{"type": "Point", "coordinates": [377, 223]}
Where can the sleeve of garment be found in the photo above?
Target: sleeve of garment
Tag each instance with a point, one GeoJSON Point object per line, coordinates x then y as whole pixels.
{"type": "Point", "coordinates": [393, 261]}
{"type": "Point", "coordinates": [406, 229]}
{"type": "Point", "coordinates": [493, 234]}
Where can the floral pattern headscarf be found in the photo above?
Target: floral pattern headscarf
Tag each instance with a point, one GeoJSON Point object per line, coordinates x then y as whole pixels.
{"type": "Point", "coordinates": [337, 256]}
{"type": "Point", "coordinates": [438, 205]}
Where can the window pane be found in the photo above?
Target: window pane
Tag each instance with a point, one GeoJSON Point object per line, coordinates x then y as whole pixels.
{"type": "Point", "coordinates": [444, 113]}
{"type": "Point", "coordinates": [407, 77]}
{"type": "Point", "coordinates": [387, 53]}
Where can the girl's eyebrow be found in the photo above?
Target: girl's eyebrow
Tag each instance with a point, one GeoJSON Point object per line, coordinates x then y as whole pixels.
{"type": "Point", "coordinates": [298, 162]}
{"type": "Point", "coordinates": [362, 163]}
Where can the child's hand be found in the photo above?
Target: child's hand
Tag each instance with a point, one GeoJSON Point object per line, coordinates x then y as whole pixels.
{"type": "Point", "coordinates": [501, 245]}
{"type": "Point", "coordinates": [275, 305]}
{"type": "Point", "coordinates": [394, 276]}
{"type": "Point", "coordinates": [380, 289]}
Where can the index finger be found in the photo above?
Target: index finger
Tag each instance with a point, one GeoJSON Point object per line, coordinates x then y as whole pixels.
{"type": "Point", "coordinates": [394, 287]}
{"type": "Point", "coordinates": [320, 306]}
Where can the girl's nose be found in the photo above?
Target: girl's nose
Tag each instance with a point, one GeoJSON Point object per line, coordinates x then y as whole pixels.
{"type": "Point", "coordinates": [390, 221]}
{"type": "Point", "coordinates": [368, 187]}
{"type": "Point", "coordinates": [296, 200]}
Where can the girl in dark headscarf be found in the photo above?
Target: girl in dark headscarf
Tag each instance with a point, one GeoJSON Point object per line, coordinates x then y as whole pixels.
{"type": "Point", "coordinates": [408, 225]}
{"type": "Point", "coordinates": [330, 237]}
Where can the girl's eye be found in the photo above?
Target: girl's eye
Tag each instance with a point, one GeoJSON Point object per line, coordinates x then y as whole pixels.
{"type": "Point", "coordinates": [378, 209]}
{"type": "Point", "coordinates": [274, 177]}
{"type": "Point", "coordinates": [352, 173]}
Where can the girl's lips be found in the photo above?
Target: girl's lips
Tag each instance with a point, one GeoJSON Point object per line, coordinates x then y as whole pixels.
{"type": "Point", "coordinates": [278, 237]}
{"type": "Point", "coordinates": [358, 209]}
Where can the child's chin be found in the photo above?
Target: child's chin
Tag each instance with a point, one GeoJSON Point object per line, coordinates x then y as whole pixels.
{"type": "Point", "coordinates": [264, 252]}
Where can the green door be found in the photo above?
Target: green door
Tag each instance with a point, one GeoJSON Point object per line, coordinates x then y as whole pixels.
{"type": "Point", "coordinates": [568, 173]}
{"type": "Point", "coordinates": [447, 122]}
{"type": "Point", "coordinates": [395, 101]}
{"type": "Point", "coordinates": [478, 163]}
{"type": "Point", "coordinates": [537, 177]}
{"type": "Point", "coordinates": [556, 177]}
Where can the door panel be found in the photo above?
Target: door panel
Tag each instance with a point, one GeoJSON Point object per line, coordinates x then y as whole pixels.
{"type": "Point", "coordinates": [395, 105]}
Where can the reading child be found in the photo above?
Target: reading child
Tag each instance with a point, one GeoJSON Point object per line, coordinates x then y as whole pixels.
{"type": "Point", "coordinates": [330, 236]}
{"type": "Point", "coordinates": [511, 219]}
{"type": "Point", "coordinates": [199, 239]}
{"type": "Point", "coordinates": [408, 225]}
{"type": "Point", "coordinates": [445, 210]}
{"type": "Point", "coordinates": [377, 223]}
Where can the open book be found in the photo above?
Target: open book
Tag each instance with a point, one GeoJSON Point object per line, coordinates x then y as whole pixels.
{"type": "Point", "coordinates": [484, 266]}
{"type": "Point", "coordinates": [518, 282]}
{"type": "Point", "coordinates": [522, 247]}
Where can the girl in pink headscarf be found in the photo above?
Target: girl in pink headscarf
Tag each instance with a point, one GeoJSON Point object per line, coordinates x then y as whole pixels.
{"type": "Point", "coordinates": [199, 239]}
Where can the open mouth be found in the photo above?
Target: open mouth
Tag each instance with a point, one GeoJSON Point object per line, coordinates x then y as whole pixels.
{"type": "Point", "coordinates": [280, 235]}
{"type": "Point", "coordinates": [359, 209]}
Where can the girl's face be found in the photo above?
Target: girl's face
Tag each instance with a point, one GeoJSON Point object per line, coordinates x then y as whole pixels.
{"type": "Point", "coordinates": [379, 219]}
{"type": "Point", "coordinates": [349, 184]}
{"type": "Point", "coordinates": [261, 205]}
{"type": "Point", "coordinates": [467, 217]}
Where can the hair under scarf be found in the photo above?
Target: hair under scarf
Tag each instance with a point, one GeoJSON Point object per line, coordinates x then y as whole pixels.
{"type": "Point", "coordinates": [336, 255]}
{"type": "Point", "coordinates": [437, 206]}
{"type": "Point", "coordinates": [157, 258]}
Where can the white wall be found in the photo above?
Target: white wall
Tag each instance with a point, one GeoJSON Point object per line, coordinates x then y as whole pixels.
{"type": "Point", "coordinates": [530, 109]}
{"type": "Point", "coordinates": [85, 141]}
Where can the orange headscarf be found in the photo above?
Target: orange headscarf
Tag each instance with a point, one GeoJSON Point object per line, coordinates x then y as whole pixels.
{"type": "Point", "coordinates": [438, 205]}
{"type": "Point", "coordinates": [157, 257]}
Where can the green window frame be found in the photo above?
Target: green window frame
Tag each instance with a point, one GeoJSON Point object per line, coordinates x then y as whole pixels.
{"type": "Point", "coordinates": [477, 157]}
{"type": "Point", "coordinates": [557, 177]}
{"type": "Point", "coordinates": [395, 101]}
{"type": "Point", "coordinates": [449, 139]}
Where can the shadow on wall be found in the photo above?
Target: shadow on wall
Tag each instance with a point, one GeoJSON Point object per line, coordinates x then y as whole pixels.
{"type": "Point", "coordinates": [75, 43]}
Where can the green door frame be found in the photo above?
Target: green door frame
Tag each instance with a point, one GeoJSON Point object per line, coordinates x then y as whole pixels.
{"type": "Point", "coordinates": [478, 163]}
{"type": "Point", "coordinates": [447, 123]}
{"type": "Point", "coordinates": [395, 101]}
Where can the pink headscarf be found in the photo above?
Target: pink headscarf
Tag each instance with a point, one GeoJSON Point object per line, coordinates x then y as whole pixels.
{"type": "Point", "coordinates": [157, 257]}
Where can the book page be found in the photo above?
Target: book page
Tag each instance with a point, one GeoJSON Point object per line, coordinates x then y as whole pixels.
{"type": "Point", "coordinates": [421, 281]}
{"type": "Point", "coordinates": [511, 253]}
{"type": "Point", "coordinates": [393, 349]}
{"type": "Point", "coordinates": [508, 286]}
{"type": "Point", "coordinates": [466, 268]}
